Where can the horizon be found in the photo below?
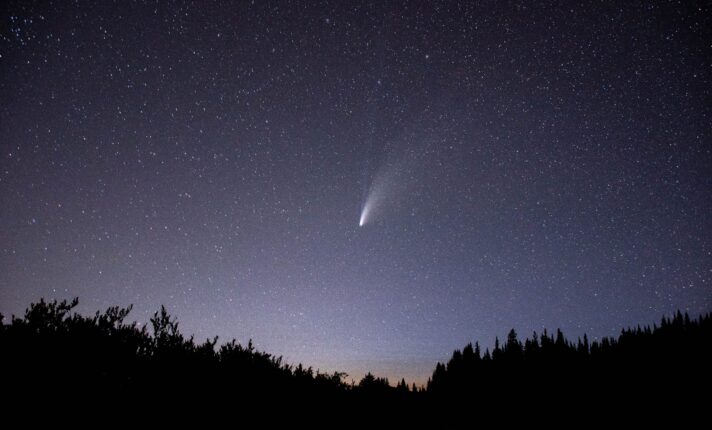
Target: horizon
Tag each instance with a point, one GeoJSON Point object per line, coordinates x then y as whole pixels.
{"type": "Point", "coordinates": [390, 368]}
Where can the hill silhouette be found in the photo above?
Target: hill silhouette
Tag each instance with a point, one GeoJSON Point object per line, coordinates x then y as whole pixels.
{"type": "Point", "coordinates": [52, 352]}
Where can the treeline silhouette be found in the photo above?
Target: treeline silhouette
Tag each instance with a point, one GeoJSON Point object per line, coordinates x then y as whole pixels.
{"type": "Point", "coordinates": [640, 362]}
{"type": "Point", "coordinates": [53, 351]}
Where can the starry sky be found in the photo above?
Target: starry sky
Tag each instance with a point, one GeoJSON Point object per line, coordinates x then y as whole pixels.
{"type": "Point", "coordinates": [522, 164]}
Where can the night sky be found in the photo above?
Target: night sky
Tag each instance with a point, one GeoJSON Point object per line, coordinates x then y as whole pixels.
{"type": "Point", "coordinates": [514, 164]}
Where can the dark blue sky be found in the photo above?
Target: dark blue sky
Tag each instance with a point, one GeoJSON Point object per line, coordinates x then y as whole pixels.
{"type": "Point", "coordinates": [525, 164]}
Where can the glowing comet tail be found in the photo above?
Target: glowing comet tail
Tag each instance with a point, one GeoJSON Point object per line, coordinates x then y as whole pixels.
{"type": "Point", "coordinates": [364, 215]}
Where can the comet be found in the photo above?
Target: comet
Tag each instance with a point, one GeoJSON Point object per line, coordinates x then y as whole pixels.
{"type": "Point", "coordinates": [366, 211]}
{"type": "Point", "coordinates": [364, 216]}
{"type": "Point", "coordinates": [384, 192]}
{"type": "Point", "coordinates": [391, 186]}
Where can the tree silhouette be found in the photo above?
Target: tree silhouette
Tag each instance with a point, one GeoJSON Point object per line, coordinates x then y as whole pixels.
{"type": "Point", "coordinates": [51, 348]}
{"type": "Point", "coordinates": [634, 363]}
